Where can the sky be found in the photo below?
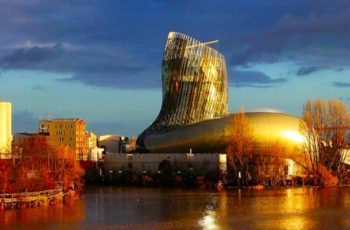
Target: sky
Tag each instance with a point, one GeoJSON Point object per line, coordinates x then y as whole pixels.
{"type": "Point", "coordinates": [100, 60]}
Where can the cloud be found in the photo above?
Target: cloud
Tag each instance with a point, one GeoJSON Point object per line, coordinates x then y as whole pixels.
{"type": "Point", "coordinates": [98, 67]}
{"type": "Point", "coordinates": [125, 78]}
{"type": "Point", "coordinates": [307, 70]}
{"type": "Point", "coordinates": [253, 79]}
{"type": "Point", "coordinates": [341, 84]}
{"type": "Point", "coordinates": [313, 40]}
{"type": "Point", "coordinates": [27, 57]}
{"type": "Point", "coordinates": [24, 121]}
{"type": "Point", "coordinates": [118, 44]}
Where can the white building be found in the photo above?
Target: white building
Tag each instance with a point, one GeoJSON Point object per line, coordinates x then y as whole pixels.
{"type": "Point", "coordinates": [150, 162]}
{"type": "Point", "coordinates": [95, 153]}
{"type": "Point", "coordinates": [5, 129]}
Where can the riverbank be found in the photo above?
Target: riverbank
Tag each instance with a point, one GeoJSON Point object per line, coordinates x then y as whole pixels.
{"type": "Point", "coordinates": [34, 199]}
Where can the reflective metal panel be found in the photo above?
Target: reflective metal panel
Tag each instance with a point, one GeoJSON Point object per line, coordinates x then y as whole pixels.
{"type": "Point", "coordinates": [194, 112]}
{"type": "Point", "coordinates": [194, 83]}
{"type": "Point", "coordinates": [268, 130]}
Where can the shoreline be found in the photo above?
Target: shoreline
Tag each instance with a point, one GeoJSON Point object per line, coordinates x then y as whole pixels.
{"type": "Point", "coordinates": [225, 188]}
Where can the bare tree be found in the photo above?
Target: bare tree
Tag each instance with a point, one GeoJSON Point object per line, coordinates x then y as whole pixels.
{"type": "Point", "coordinates": [326, 128]}
{"type": "Point", "coordinates": [338, 133]}
{"type": "Point", "coordinates": [240, 150]}
{"type": "Point", "coordinates": [277, 150]}
{"type": "Point", "coordinates": [311, 122]}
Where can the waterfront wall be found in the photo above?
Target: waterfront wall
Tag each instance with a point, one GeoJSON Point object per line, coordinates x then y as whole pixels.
{"type": "Point", "coordinates": [141, 163]}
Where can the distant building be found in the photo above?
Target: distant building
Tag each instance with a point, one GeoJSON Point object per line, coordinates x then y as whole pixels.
{"type": "Point", "coordinates": [67, 132]}
{"type": "Point", "coordinates": [92, 139]}
{"type": "Point", "coordinates": [44, 126]}
{"type": "Point", "coordinates": [111, 143]}
{"type": "Point", "coordinates": [95, 153]}
{"type": "Point", "coordinates": [5, 129]}
{"type": "Point", "coordinates": [20, 138]}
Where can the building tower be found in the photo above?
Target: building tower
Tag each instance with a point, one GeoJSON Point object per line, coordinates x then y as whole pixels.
{"type": "Point", "coordinates": [194, 84]}
{"type": "Point", "coordinates": [5, 128]}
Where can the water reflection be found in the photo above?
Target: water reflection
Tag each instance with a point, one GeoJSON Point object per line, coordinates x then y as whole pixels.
{"type": "Point", "coordinates": [60, 214]}
{"type": "Point", "coordinates": [159, 208]}
{"type": "Point", "coordinates": [208, 222]}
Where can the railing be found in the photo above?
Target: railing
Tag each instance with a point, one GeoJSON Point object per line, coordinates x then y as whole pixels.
{"type": "Point", "coordinates": [47, 193]}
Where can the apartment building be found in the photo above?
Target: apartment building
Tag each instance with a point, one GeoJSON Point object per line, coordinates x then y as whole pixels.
{"type": "Point", "coordinates": [70, 132]}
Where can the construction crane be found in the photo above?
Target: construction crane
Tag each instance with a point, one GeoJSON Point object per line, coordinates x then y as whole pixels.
{"type": "Point", "coordinates": [202, 44]}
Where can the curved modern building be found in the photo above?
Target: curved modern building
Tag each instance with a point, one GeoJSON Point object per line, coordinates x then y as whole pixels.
{"type": "Point", "coordinates": [194, 82]}
{"type": "Point", "coordinates": [194, 113]}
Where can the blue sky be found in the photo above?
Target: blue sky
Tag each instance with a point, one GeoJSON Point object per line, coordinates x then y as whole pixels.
{"type": "Point", "coordinates": [100, 60]}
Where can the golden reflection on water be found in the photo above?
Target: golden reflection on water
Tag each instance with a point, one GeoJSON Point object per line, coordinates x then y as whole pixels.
{"type": "Point", "coordinates": [292, 208]}
{"type": "Point", "coordinates": [208, 222]}
{"type": "Point", "coordinates": [295, 222]}
{"type": "Point", "coordinates": [210, 219]}
{"type": "Point", "coordinates": [59, 213]}
{"type": "Point", "coordinates": [159, 208]}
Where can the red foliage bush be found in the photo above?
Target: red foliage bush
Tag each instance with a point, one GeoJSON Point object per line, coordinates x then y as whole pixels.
{"type": "Point", "coordinates": [327, 177]}
{"type": "Point", "coordinates": [38, 166]}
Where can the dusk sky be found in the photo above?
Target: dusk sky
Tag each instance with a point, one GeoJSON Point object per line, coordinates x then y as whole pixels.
{"type": "Point", "coordinates": [101, 60]}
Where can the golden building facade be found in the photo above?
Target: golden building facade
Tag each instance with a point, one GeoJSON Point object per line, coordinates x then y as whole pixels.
{"type": "Point", "coordinates": [5, 128]}
{"type": "Point", "coordinates": [67, 132]}
{"type": "Point", "coordinates": [194, 114]}
{"type": "Point", "coordinates": [194, 83]}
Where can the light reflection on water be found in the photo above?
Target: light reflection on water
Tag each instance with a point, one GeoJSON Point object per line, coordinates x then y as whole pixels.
{"type": "Point", "coordinates": [208, 221]}
{"type": "Point", "coordinates": [160, 208]}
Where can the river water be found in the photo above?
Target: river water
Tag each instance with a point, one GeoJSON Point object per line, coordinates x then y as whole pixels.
{"type": "Point", "coordinates": [162, 208]}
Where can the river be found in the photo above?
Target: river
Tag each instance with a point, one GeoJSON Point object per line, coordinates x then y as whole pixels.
{"type": "Point", "coordinates": [164, 208]}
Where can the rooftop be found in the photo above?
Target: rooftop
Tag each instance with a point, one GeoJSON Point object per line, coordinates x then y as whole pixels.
{"type": "Point", "coordinates": [62, 119]}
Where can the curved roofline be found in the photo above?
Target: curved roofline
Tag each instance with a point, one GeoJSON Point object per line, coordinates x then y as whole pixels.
{"type": "Point", "coordinates": [263, 110]}
{"type": "Point", "coordinates": [266, 112]}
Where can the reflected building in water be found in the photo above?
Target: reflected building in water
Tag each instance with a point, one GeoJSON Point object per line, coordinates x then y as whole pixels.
{"type": "Point", "coordinates": [194, 113]}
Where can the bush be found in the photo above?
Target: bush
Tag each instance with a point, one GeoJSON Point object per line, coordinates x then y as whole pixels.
{"type": "Point", "coordinates": [40, 166]}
